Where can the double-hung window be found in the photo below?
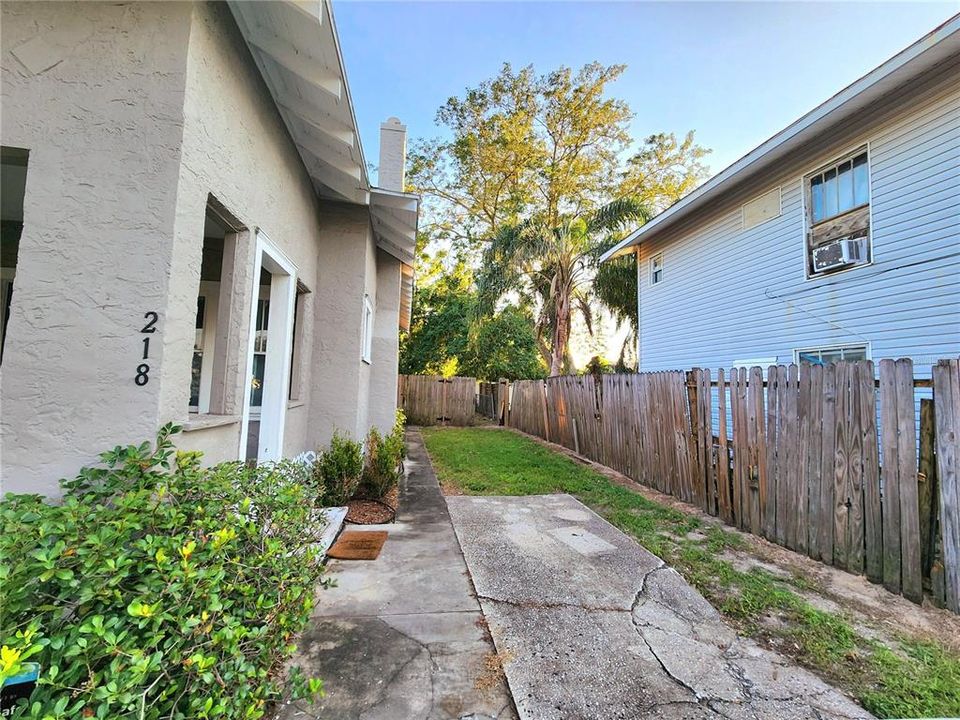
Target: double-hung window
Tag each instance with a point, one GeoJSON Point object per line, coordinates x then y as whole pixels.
{"type": "Point", "coordinates": [656, 268]}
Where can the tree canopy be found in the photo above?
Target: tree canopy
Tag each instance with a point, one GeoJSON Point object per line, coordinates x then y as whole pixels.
{"type": "Point", "coordinates": [532, 179]}
{"type": "Point", "coordinates": [521, 144]}
{"type": "Point", "coordinates": [554, 264]}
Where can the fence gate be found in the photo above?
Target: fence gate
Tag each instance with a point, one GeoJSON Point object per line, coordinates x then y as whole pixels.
{"type": "Point", "coordinates": [436, 400]}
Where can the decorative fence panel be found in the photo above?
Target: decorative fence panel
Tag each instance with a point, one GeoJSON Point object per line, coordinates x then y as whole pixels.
{"type": "Point", "coordinates": [828, 461]}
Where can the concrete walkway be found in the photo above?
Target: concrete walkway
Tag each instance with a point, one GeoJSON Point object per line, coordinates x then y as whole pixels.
{"type": "Point", "coordinates": [403, 636]}
{"type": "Point", "coordinates": [591, 625]}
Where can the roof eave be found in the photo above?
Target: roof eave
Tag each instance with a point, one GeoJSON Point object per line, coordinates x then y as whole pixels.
{"type": "Point", "coordinates": [914, 60]}
{"type": "Point", "coordinates": [295, 46]}
{"type": "Point", "coordinates": [395, 217]}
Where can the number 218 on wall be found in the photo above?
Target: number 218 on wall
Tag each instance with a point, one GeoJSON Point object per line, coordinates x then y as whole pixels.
{"type": "Point", "coordinates": [143, 369]}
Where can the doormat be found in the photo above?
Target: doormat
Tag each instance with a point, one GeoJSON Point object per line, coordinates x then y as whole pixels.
{"type": "Point", "coordinates": [354, 545]}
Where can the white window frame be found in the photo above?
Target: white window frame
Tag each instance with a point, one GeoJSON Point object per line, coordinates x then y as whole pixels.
{"type": "Point", "coordinates": [366, 349]}
{"type": "Point", "coordinates": [654, 260]}
{"type": "Point", "coordinates": [865, 346]}
{"type": "Point", "coordinates": [807, 211]}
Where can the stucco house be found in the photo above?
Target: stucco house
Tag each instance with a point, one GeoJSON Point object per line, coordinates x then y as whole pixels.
{"type": "Point", "coordinates": [837, 238]}
{"type": "Point", "coordinates": [190, 235]}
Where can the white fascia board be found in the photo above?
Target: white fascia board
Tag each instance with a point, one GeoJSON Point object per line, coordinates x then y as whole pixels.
{"type": "Point", "coordinates": [396, 199]}
{"type": "Point", "coordinates": [911, 62]}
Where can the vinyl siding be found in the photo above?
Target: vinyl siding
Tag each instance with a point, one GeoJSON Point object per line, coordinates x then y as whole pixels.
{"type": "Point", "coordinates": [729, 293]}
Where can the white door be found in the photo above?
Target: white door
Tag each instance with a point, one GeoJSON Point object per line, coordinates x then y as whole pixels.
{"type": "Point", "coordinates": [272, 362]}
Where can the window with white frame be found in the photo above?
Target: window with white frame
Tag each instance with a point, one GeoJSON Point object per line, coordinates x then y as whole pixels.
{"type": "Point", "coordinates": [209, 363]}
{"type": "Point", "coordinates": [838, 214]}
{"type": "Point", "coordinates": [367, 329]}
{"type": "Point", "coordinates": [656, 268]}
{"type": "Point", "coordinates": [832, 354]}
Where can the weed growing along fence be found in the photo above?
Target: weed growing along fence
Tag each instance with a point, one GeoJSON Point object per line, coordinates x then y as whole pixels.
{"type": "Point", "coordinates": [825, 460]}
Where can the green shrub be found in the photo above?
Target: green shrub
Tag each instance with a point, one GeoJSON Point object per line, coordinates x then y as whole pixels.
{"type": "Point", "coordinates": [337, 471]}
{"type": "Point", "coordinates": [157, 588]}
{"type": "Point", "coordinates": [383, 466]}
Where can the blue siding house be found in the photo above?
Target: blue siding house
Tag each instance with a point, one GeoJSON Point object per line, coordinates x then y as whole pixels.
{"type": "Point", "coordinates": [838, 238]}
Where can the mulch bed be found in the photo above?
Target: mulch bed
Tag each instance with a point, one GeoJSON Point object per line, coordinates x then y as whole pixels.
{"type": "Point", "coordinates": [374, 512]}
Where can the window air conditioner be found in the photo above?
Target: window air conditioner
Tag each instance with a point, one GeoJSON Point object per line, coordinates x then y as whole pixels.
{"type": "Point", "coordinates": [838, 253]}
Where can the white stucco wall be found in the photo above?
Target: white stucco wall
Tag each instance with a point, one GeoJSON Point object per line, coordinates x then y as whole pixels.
{"type": "Point", "coordinates": [236, 148]}
{"type": "Point", "coordinates": [124, 155]}
{"type": "Point", "coordinates": [95, 93]}
{"type": "Point", "coordinates": [386, 344]}
{"type": "Point", "coordinates": [338, 376]}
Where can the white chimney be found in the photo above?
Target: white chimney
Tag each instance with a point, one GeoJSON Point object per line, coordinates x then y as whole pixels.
{"type": "Point", "coordinates": [393, 154]}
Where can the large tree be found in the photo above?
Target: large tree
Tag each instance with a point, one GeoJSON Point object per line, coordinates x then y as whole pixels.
{"type": "Point", "coordinates": [444, 305]}
{"type": "Point", "coordinates": [552, 263]}
{"type": "Point", "coordinates": [529, 168]}
{"type": "Point", "coordinates": [447, 337]}
{"type": "Point", "coordinates": [661, 172]}
{"type": "Point", "coordinates": [503, 346]}
{"type": "Point", "coordinates": [521, 145]}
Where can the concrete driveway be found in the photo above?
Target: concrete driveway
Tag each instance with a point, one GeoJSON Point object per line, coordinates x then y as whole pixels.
{"type": "Point", "coordinates": [592, 626]}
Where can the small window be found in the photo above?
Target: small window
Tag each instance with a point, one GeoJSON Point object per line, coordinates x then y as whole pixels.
{"type": "Point", "coordinates": [656, 269]}
{"type": "Point", "coordinates": [367, 336]}
{"type": "Point", "coordinates": [840, 353]}
{"type": "Point", "coordinates": [838, 215]}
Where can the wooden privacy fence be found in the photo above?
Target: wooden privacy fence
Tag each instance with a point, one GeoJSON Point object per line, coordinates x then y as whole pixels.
{"type": "Point", "coordinates": [436, 400]}
{"type": "Point", "coordinates": [827, 460]}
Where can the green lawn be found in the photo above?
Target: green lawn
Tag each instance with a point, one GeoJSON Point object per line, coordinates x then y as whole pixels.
{"type": "Point", "coordinates": [911, 679]}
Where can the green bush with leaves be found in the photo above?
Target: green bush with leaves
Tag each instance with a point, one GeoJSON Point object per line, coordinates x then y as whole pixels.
{"type": "Point", "coordinates": [383, 466]}
{"type": "Point", "coordinates": [337, 471]}
{"type": "Point", "coordinates": [158, 588]}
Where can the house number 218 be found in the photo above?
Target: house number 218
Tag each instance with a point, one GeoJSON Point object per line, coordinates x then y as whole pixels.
{"type": "Point", "coordinates": [143, 370]}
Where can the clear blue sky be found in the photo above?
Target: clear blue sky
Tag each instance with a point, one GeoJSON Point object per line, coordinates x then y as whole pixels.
{"type": "Point", "coordinates": [734, 72]}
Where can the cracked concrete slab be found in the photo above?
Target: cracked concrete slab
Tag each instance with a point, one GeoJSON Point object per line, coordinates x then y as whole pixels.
{"type": "Point", "coordinates": [593, 626]}
{"type": "Point", "coordinates": [403, 636]}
